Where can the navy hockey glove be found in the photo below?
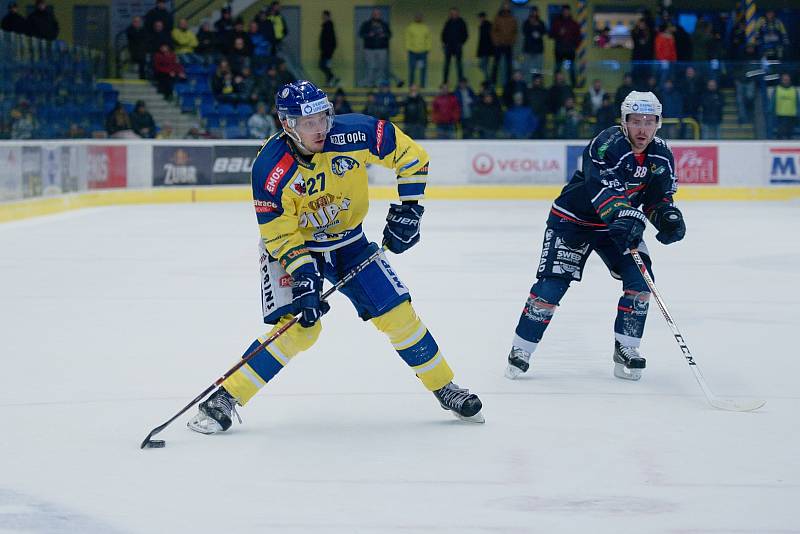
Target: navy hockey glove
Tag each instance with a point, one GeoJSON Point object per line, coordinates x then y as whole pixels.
{"type": "Point", "coordinates": [669, 221]}
{"type": "Point", "coordinates": [306, 287]}
{"type": "Point", "coordinates": [402, 227]}
{"type": "Point", "coordinates": [627, 228]}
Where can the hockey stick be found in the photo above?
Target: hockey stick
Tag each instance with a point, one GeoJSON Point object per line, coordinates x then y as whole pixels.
{"type": "Point", "coordinates": [247, 357]}
{"type": "Point", "coordinates": [717, 402]}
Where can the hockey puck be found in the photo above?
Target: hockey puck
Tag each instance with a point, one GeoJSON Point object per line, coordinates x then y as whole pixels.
{"type": "Point", "coordinates": [156, 444]}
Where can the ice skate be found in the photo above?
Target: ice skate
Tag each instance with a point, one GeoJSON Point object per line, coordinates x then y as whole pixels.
{"type": "Point", "coordinates": [215, 413]}
{"type": "Point", "coordinates": [518, 362]}
{"type": "Point", "coordinates": [628, 363]}
{"type": "Point", "coordinates": [464, 405]}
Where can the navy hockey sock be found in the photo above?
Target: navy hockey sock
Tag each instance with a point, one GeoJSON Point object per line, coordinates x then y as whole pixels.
{"type": "Point", "coordinates": [542, 301]}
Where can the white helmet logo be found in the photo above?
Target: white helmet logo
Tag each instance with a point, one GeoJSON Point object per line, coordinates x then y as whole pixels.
{"type": "Point", "coordinates": [285, 93]}
{"type": "Point", "coordinates": [635, 107]}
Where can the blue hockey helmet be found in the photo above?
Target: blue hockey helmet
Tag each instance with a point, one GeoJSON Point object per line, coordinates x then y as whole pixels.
{"type": "Point", "coordinates": [299, 99]}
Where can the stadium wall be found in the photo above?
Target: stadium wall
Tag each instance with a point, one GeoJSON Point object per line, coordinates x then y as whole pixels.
{"type": "Point", "coordinates": [39, 178]}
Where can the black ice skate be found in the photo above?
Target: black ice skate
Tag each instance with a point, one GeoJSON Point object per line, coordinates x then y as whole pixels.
{"type": "Point", "coordinates": [215, 413]}
{"type": "Point", "coordinates": [628, 363]}
{"type": "Point", "coordinates": [464, 405]}
{"type": "Point", "coordinates": [518, 362]}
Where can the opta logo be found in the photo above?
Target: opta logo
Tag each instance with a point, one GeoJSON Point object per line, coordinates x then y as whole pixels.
{"type": "Point", "coordinates": [349, 137]}
{"type": "Point", "coordinates": [277, 173]}
{"type": "Point", "coordinates": [482, 163]}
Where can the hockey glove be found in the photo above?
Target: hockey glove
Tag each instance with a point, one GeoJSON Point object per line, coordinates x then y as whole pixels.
{"type": "Point", "coordinates": [669, 221]}
{"type": "Point", "coordinates": [402, 227]}
{"type": "Point", "coordinates": [306, 287]}
{"type": "Point", "coordinates": [627, 228]}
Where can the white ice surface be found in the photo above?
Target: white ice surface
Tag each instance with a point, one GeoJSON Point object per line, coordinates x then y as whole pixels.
{"type": "Point", "coordinates": [112, 319]}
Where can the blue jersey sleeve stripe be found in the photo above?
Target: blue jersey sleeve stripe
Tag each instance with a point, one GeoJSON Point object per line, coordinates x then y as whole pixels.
{"type": "Point", "coordinates": [406, 190]}
{"type": "Point", "coordinates": [409, 165]}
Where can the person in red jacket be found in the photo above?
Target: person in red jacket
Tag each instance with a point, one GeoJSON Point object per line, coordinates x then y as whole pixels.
{"type": "Point", "coordinates": [167, 70]}
{"type": "Point", "coordinates": [446, 113]}
{"type": "Point", "coordinates": [666, 50]}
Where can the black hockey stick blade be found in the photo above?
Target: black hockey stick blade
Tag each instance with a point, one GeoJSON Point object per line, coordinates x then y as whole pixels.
{"type": "Point", "coordinates": [147, 441]}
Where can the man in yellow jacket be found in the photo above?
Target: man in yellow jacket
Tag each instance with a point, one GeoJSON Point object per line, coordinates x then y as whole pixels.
{"type": "Point", "coordinates": [418, 44]}
{"type": "Point", "coordinates": [185, 40]}
{"type": "Point", "coordinates": [786, 102]}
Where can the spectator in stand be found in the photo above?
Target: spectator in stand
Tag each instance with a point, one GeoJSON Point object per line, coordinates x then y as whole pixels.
{"type": "Point", "coordinates": [118, 124]}
{"type": "Point", "coordinates": [22, 123]}
{"type": "Point", "coordinates": [651, 86]}
{"type": "Point", "coordinates": [340, 104]}
{"type": "Point", "coordinates": [224, 28]}
{"type": "Point", "coordinates": [701, 41]}
{"type": "Point", "coordinates": [376, 34]}
{"type": "Point", "coordinates": [267, 85]}
{"type": "Point", "coordinates": [158, 37]}
{"type": "Point", "coordinates": [206, 43]}
{"type": "Point", "coordinates": [683, 43]}
{"type": "Point", "coordinates": [466, 102]}
{"type": "Point", "coordinates": [260, 48]}
{"type": "Point", "coordinates": [386, 102]}
{"type": "Point", "coordinates": [371, 108]}
{"type": "Point", "coordinates": [773, 39]}
{"type": "Point", "coordinates": [568, 120]}
{"type": "Point", "coordinates": [504, 36]}
{"type": "Point", "coordinates": [785, 105]}
{"type": "Point", "coordinates": [606, 115]}
{"type": "Point", "coordinates": [185, 43]}
{"type": "Point", "coordinates": [745, 86]}
{"type": "Point", "coordinates": [239, 56]}
{"type": "Point", "coordinates": [558, 93]}
{"type": "Point", "coordinates": [603, 38]}
{"type": "Point", "coordinates": [643, 52]}
{"type": "Point", "coordinates": [166, 132]}
{"type": "Point", "coordinates": [137, 45]}
{"type": "Point", "coordinates": [418, 44]}
{"type": "Point", "coordinates": [13, 21]}
{"type": "Point", "coordinates": [485, 45]}
{"type": "Point", "coordinates": [198, 132]}
{"type": "Point", "coordinates": [593, 98]}
{"type": "Point", "coordinates": [218, 80]}
{"type": "Point", "coordinates": [142, 122]}
{"type": "Point", "coordinates": [519, 121]}
{"type": "Point", "coordinates": [415, 113]}
{"type": "Point", "coordinates": [485, 116]}
{"type": "Point", "coordinates": [327, 45]}
{"type": "Point", "coordinates": [711, 105]}
{"type": "Point", "coordinates": [446, 113]}
{"type": "Point", "coordinates": [454, 35]}
{"type": "Point", "coordinates": [623, 90]}
{"type": "Point", "coordinates": [245, 87]}
{"type": "Point", "coordinates": [533, 32]}
{"type": "Point", "coordinates": [238, 33]}
{"type": "Point", "coordinates": [279, 27]}
{"type": "Point", "coordinates": [692, 88]}
{"type": "Point", "coordinates": [261, 125]}
{"type": "Point", "coordinates": [515, 85]}
{"type": "Point", "coordinates": [666, 51]}
{"type": "Point", "coordinates": [284, 75]}
{"type": "Point", "coordinates": [75, 131]}
{"type": "Point", "coordinates": [159, 12]}
{"type": "Point", "coordinates": [42, 22]}
{"type": "Point", "coordinates": [537, 100]}
{"type": "Point", "coordinates": [167, 70]}
{"type": "Point", "coordinates": [266, 29]}
{"type": "Point", "coordinates": [672, 108]}
{"type": "Point", "coordinates": [566, 34]}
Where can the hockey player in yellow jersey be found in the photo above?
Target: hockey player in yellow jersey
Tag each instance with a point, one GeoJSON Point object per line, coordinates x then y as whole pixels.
{"type": "Point", "coordinates": [310, 194]}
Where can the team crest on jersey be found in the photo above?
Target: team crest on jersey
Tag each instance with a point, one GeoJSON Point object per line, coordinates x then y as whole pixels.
{"type": "Point", "coordinates": [299, 185]}
{"type": "Point", "coordinates": [341, 164]}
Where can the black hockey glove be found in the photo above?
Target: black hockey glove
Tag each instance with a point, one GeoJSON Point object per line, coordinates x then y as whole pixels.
{"type": "Point", "coordinates": [627, 228]}
{"type": "Point", "coordinates": [669, 221]}
{"type": "Point", "coordinates": [402, 227]}
{"type": "Point", "coordinates": [306, 287]}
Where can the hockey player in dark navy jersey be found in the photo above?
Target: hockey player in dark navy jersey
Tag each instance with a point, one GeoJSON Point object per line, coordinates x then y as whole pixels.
{"type": "Point", "coordinates": [627, 178]}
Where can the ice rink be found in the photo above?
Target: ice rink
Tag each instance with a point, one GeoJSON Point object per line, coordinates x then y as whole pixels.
{"type": "Point", "coordinates": [112, 319]}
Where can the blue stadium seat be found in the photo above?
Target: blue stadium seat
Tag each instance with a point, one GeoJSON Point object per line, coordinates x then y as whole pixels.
{"type": "Point", "coordinates": [244, 110]}
{"type": "Point", "coordinates": [188, 104]}
{"type": "Point", "coordinates": [226, 109]}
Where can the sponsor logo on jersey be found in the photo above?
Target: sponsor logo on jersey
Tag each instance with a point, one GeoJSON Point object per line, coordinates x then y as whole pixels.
{"type": "Point", "coordinates": [299, 185]}
{"type": "Point", "coordinates": [265, 206]}
{"type": "Point", "coordinates": [348, 138]}
{"type": "Point", "coordinates": [223, 164]}
{"type": "Point", "coordinates": [277, 173]}
{"type": "Point", "coordinates": [285, 281]}
{"type": "Point", "coordinates": [379, 135]}
{"type": "Point", "coordinates": [341, 164]}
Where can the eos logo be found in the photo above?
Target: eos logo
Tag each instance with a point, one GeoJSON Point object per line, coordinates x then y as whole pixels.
{"type": "Point", "coordinates": [482, 163]}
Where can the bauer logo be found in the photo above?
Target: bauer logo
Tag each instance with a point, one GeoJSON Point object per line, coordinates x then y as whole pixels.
{"type": "Point", "coordinates": [233, 163]}
{"type": "Point", "coordinates": [784, 165]}
{"type": "Point", "coordinates": [696, 165]}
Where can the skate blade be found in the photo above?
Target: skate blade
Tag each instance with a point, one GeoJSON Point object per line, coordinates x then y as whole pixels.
{"type": "Point", "coordinates": [203, 424]}
{"type": "Point", "coordinates": [513, 372]}
{"type": "Point", "coordinates": [620, 371]}
{"type": "Point", "coordinates": [477, 418]}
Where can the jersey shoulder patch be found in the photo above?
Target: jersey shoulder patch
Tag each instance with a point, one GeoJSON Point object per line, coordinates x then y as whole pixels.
{"type": "Point", "coordinates": [350, 132]}
{"type": "Point", "coordinates": [274, 164]}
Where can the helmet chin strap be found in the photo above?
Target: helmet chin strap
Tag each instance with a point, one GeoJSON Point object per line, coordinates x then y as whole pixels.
{"type": "Point", "coordinates": [296, 138]}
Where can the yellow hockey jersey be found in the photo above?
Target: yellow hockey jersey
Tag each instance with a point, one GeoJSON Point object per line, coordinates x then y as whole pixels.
{"type": "Point", "coordinates": [319, 205]}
